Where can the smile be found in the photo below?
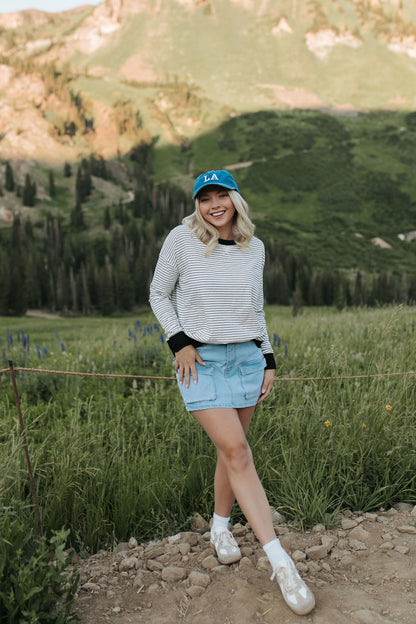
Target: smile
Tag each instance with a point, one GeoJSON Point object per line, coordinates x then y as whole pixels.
{"type": "Point", "coordinates": [218, 214]}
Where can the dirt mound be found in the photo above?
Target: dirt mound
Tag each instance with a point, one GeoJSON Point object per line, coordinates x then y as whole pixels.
{"type": "Point", "coordinates": [361, 572]}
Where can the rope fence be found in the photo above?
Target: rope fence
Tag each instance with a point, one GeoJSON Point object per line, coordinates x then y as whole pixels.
{"type": "Point", "coordinates": [78, 374]}
{"type": "Point", "coordinates": [155, 377]}
{"type": "Point", "coordinates": [12, 371]}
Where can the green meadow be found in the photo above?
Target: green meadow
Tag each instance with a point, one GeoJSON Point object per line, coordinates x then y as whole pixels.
{"type": "Point", "coordinates": [116, 457]}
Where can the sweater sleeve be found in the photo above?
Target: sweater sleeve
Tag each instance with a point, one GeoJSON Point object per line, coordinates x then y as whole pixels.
{"type": "Point", "coordinates": [163, 283]}
{"type": "Point", "coordinates": [266, 346]}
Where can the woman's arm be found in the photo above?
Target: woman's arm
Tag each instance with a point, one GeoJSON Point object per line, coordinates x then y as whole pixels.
{"type": "Point", "coordinates": [161, 288]}
{"type": "Point", "coordinates": [163, 283]}
{"type": "Point", "coordinates": [266, 347]}
{"type": "Point", "coordinates": [185, 364]}
{"type": "Point", "coordinates": [267, 384]}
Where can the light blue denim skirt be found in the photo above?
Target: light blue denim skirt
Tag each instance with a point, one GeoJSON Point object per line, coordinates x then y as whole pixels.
{"type": "Point", "coordinates": [232, 377]}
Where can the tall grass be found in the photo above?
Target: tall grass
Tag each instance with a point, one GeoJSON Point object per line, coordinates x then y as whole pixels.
{"type": "Point", "coordinates": [114, 458]}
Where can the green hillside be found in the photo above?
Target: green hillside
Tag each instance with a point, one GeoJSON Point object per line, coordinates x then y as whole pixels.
{"type": "Point", "coordinates": [330, 196]}
{"type": "Point", "coordinates": [309, 104]}
{"type": "Point", "coordinates": [338, 54]}
{"type": "Point", "coordinates": [320, 184]}
{"type": "Point", "coordinates": [185, 68]}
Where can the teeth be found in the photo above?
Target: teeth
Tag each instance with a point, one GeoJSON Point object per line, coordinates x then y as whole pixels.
{"type": "Point", "coordinates": [217, 214]}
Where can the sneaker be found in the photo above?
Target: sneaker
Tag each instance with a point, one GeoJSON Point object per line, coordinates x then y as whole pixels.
{"type": "Point", "coordinates": [225, 546]}
{"type": "Point", "coordinates": [295, 592]}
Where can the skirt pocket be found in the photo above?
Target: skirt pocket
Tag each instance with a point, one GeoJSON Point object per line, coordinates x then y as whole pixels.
{"type": "Point", "coordinates": [203, 389]}
{"type": "Point", "coordinates": [252, 376]}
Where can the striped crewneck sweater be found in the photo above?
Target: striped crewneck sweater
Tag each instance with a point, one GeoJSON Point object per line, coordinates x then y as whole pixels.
{"type": "Point", "coordinates": [215, 299]}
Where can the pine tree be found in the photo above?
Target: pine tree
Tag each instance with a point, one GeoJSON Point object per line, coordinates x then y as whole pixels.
{"type": "Point", "coordinates": [86, 173]}
{"type": "Point", "coordinates": [106, 291]}
{"type": "Point", "coordinates": [32, 289]}
{"type": "Point", "coordinates": [15, 288]}
{"type": "Point", "coordinates": [77, 217]}
{"type": "Point", "coordinates": [404, 288]}
{"type": "Point", "coordinates": [67, 170]}
{"type": "Point", "coordinates": [141, 292]}
{"type": "Point", "coordinates": [52, 189]}
{"type": "Point", "coordinates": [73, 288]}
{"type": "Point", "coordinates": [120, 213]}
{"type": "Point", "coordinates": [9, 181]}
{"type": "Point", "coordinates": [17, 233]}
{"type": "Point", "coordinates": [28, 230]}
{"type": "Point", "coordinates": [85, 295]}
{"type": "Point", "coordinates": [412, 292]}
{"type": "Point", "coordinates": [107, 218]}
{"type": "Point", "coordinates": [79, 188]}
{"type": "Point", "coordinates": [29, 191]}
{"type": "Point", "coordinates": [275, 284]}
{"type": "Point", "coordinates": [357, 296]}
{"type": "Point", "coordinates": [92, 279]}
{"type": "Point", "coordinates": [342, 297]}
{"type": "Point", "coordinates": [316, 290]}
{"type": "Point", "coordinates": [62, 288]}
{"type": "Point", "coordinates": [83, 183]}
{"type": "Point", "coordinates": [125, 293]}
{"type": "Point", "coordinates": [303, 278]}
{"type": "Point", "coordinates": [297, 300]}
{"type": "Point", "coordinates": [4, 273]}
{"type": "Point", "coordinates": [328, 288]}
{"type": "Point", "coordinates": [98, 167]}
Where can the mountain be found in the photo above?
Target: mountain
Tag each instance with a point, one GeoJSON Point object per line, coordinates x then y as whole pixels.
{"type": "Point", "coordinates": [108, 113]}
{"type": "Point", "coordinates": [98, 79]}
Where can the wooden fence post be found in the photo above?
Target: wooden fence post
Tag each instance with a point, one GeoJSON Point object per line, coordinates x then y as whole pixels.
{"type": "Point", "coordinates": [29, 466]}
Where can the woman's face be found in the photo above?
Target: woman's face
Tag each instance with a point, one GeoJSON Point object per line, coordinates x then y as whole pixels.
{"type": "Point", "coordinates": [216, 208]}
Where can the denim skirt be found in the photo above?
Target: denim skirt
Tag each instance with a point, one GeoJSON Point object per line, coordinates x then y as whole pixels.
{"type": "Point", "coordinates": [232, 377]}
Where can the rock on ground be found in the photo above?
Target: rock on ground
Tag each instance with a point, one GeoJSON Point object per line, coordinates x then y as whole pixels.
{"type": "Point", "coordinates": [361, 572]}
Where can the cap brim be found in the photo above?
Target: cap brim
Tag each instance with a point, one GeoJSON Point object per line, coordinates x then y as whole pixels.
{"type": "Point", "coordinates": [227, 186]}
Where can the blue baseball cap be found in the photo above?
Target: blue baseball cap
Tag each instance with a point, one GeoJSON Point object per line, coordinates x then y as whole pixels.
{"type": "Point", "coordinates": [217, 178]}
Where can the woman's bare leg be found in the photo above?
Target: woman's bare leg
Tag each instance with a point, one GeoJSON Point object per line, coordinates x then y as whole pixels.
{"type": "Point", "coordinates": [226, 430]}
{"type": "Point", "coordinates": [224, 495]}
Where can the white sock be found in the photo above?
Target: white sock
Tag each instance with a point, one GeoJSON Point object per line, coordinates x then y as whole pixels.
{"type": "Point", "coordinates": [219, 523]}
{"type": "Point", "coordinates": [275, 553]}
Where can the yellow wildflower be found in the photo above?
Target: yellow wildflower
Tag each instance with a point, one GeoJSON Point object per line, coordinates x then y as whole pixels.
{"type": "Point", "coordinates": [388, 407]}
{"type": "Point", "coordinates": [328, 423]}
{"type": "Point", "coordinates": [363, 425]}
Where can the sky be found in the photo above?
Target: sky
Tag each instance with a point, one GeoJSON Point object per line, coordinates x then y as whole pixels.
{"type": "Point", "coordinates": [51, 6]}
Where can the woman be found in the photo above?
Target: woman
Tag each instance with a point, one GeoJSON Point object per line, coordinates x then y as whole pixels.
{"type": "Point", "coordinates": [207, 294]}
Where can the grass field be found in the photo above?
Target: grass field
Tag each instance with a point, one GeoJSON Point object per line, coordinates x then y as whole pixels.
{"type": "Point", "coordinates": [119, 457]}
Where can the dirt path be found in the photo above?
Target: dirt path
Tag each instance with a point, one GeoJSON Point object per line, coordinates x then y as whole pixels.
{"type": "Point", "coordinates": [42, 314]}
{"type": "Point", "coordinates": [362, 572]}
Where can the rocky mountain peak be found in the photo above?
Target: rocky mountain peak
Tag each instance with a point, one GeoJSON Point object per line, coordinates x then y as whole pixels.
{"type": "Point", "coordinates": [31, 17]}
{"type": "Point", "coordinates": [117, 9]}
{"type": "Point", "coordinates": [184, 64]}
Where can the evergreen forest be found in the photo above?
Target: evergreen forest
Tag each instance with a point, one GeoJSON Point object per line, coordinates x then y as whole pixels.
{"type": "Point", "coordinates": [320, 188]}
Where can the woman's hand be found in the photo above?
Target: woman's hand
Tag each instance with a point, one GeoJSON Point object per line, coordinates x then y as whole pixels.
{"type": "Point", "coordinates": [267, 384]}
{"type": "Point", "coordinates": [185, 360]}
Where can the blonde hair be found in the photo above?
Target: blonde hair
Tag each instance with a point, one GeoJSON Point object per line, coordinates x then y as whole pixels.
{"type": "Point", "coordinates": [243, 227]}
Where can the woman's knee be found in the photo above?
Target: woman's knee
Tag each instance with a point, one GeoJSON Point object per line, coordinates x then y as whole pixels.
{"type": "Point", "coordinates": [237, 455]}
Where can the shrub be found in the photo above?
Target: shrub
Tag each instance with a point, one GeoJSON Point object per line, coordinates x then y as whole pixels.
{"type": "Point", "coordinates": [33, 584]}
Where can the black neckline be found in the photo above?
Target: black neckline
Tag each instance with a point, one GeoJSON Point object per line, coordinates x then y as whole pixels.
{"type": "Point", "coordinates": [224, 241]}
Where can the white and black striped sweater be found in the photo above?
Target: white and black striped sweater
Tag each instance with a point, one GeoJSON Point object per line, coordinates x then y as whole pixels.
{"type": "Point", "coordinates": [215, 299]}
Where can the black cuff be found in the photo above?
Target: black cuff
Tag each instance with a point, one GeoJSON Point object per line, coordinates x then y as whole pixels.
{"type": "Point", "coordinates": [178, 341]}
{"type": "Point", "coordinates": [270, 361]}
